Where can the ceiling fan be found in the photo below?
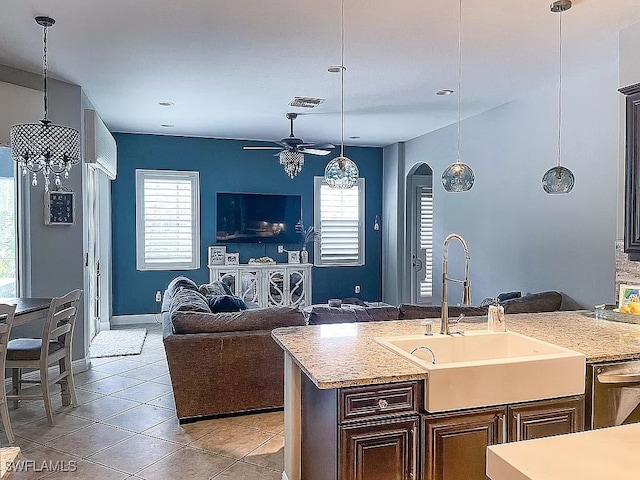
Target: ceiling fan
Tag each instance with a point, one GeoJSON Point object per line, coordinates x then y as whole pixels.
{"type": "Point", "coordinates": [292, 150]}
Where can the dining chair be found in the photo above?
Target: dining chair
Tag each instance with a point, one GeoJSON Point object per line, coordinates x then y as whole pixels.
{"type": "Point", "coordinates": [54, 347]}
{"type": "Point", "coordinates": [6, 321]}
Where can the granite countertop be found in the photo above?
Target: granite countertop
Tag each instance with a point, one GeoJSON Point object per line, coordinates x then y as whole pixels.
{"type": "Point", "coordinates": [594, 455]}
{"type": "Point", "coordinates": [345, 354]}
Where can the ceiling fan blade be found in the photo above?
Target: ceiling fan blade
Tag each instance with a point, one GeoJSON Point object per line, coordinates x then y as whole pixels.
{"type": "Point", "coordinates": [315, 151]}
{"type": "Point", "coordinates": [262, 148]}
{"type": "Point", "coordinates": [324, 146]}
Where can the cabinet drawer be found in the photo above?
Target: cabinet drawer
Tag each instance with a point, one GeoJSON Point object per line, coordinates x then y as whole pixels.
{"type": "Point", "coordinates": [379, 400]}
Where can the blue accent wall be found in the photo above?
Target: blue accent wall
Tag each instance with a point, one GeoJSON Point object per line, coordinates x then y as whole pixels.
{"type": "Point", "coordinates": [225, 166]}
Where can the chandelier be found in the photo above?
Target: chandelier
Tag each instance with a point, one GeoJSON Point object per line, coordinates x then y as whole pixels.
{"type": "Point", "coordinates": [44, 147]}
{"type": "Point", "coordinates": [292, 162]}
{"type": "Point", "coordinates": [341, 172]}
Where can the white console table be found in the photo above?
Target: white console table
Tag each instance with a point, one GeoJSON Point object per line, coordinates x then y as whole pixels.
{"type": "Point", "coordinates": [280, 284]}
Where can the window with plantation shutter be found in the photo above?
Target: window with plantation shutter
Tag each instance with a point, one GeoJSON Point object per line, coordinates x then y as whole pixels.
{"type": "Point", "coordinates": [425, 202]}
{"type": "Point", "coordinates": [339, 219]}
{"type": "Point", "coordinates": [167, 220]}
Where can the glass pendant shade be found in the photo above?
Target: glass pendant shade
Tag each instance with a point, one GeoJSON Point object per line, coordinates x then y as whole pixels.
{"type": "Point", "coordinates": [341, 172]}
{"type": "Point", "coordinates": [458, 177]}
{"type": "Point", "coordinates": [292, 162]}
{"type": "Point", "coordinates": [558, 180]}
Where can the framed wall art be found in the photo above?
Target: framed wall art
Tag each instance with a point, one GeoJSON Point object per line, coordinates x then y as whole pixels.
{"type": "Point", "coordinates": [217, 255]}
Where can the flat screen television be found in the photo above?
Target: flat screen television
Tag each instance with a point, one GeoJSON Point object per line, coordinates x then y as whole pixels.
{"type": "Point", "coordinates": [257, 218]}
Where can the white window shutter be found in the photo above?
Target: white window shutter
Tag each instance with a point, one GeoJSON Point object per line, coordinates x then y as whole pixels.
{"type": "Point", "coordinates": [168, 214]}
{"type": "Point", "coordinates": [425, 204]}
{"type": "Point", "coordinates": [339, 219]}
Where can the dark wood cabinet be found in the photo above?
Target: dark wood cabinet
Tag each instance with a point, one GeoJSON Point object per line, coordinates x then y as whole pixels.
{"type": "Point", "coordinates": [360, 433]}
{"type": "Point", "coordinates": [632, 173]}
{"type": "Point", "coordinates": [383, 450]}
{"type": "Point", "coordinates": [455, 444]}
{"type": "Point", "coordinates": [545, 418]}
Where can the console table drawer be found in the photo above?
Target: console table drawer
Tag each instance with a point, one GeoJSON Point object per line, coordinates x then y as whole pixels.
{"type": "Point", "coordinates": [378, 401]}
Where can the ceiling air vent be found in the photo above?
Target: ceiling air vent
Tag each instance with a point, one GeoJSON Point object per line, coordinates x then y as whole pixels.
{"type": "Point", "coordinates": [306, 102]}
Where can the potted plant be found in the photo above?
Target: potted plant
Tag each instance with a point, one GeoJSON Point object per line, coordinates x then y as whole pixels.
{"type": "Point", "coordinates": [308, 235]}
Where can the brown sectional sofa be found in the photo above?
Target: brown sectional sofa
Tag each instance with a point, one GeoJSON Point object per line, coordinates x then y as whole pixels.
{"type": "Point", "coordinates": [225, 363]}
{"type": "Point", "coordinates": [228, 363]}
{"type": "Point", "coordinates": [533, 303]}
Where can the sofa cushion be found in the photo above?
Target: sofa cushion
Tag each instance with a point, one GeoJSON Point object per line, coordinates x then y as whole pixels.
{"type": "Point", "coordinates": [322, 315]}
{"type": "Point", "coordinates": [215, 288]}
{"type": "Point", "coordinates": [185, 300]}
{"type": "Point", "coordinates": [536, 302]}
{"type": "Point", "coordinates": [410, 312]}
{"type": "Point", "coordinates": [225, 303]}
{"type": "Point", "coordinates": [377, 314]}
{"type": "Point", "coordinates": [414, 312]}
{"type": "Point", "coordinates": [246, 320]}
{"type": "Point", "coordinates": [180, 282]}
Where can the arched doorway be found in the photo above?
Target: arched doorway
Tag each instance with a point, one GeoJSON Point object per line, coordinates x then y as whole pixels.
{"type": "Point", "coordinates": [420, 233]}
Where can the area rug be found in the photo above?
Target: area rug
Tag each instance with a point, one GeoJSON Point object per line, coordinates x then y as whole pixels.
{"type": "Point", "coordinates": [113, 343]}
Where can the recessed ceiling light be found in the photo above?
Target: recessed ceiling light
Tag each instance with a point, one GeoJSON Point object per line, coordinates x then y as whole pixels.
{"type": "Point", "coordinates": [444, 92]}
{"type": "Point", "coordinates": [167, 125]}
{"type": "Point", "coordinates": [165, 104]}
{"type": "Point", "coordinates": [335, 68]}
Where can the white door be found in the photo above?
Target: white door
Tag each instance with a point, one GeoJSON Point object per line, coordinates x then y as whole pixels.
{"type": "Point", "coordinates": [421, 241]}
{"type": "Point", "coordinates": [93, 255]}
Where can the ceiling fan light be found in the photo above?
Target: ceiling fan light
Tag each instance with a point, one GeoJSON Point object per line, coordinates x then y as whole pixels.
{"type": "Point", "coordinates": [292, 162]}
{"type": "Point", "coordinates": [341, 172]}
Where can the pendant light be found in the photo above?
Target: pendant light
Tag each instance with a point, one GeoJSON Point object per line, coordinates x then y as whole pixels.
{"type": "Point", "coordinates": [559, 179]}
{"type": "Point", "coordinates": [458, 177]}
{"type": "Point", "coordinates": [341, 172]}
{"type": "Point", "coordinates": [44, 147]}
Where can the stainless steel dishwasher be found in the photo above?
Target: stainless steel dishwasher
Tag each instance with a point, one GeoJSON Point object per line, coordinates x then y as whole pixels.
{"type": "Point", "coordinates": [613, 393]}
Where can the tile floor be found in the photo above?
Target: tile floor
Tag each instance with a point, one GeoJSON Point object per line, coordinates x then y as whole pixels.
{"type": "Point", "coordinates": [126, 428]}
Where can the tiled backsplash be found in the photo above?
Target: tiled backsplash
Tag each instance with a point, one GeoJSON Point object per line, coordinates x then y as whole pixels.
{"type": "Point", "coordinates": [626, 270]}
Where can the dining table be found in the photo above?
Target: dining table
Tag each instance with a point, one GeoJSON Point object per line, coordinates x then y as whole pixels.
{"type": "Point", "coordinates": [28, 309]}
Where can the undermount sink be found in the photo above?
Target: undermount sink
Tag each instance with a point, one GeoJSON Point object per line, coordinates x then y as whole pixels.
{"type": "Point", "coordinates": [490, 368]}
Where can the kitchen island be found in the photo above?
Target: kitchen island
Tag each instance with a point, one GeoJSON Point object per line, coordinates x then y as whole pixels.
{"type": "Point", "coordinates": [323, 359]}
{"type": "Point", "coordinates": [607, 453]}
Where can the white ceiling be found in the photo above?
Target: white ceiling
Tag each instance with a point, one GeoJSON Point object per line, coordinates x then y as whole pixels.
{"type": "Point", "coordinates": [231, 67]}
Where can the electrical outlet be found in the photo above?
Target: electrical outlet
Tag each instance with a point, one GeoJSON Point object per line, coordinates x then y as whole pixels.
{"type": "Point", "coordinates": [158, 296]}
{"type": "Point", "coordinates": [280, 248]}
{"type": "Point", "coordinates": [357, 289]}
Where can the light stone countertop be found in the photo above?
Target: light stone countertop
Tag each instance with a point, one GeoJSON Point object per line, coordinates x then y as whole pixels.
{"type": "Point", "coordinates": [607, 453]}
{"type": "Point", "coordinates": [342, 355]}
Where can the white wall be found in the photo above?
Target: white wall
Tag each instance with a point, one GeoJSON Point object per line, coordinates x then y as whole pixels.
{"type": "Point", "coordinates": [17, 105]}
{"type": "Point", "coordinates": [55, 252]}
{"type": "Point", "coordinates": [521, 238]}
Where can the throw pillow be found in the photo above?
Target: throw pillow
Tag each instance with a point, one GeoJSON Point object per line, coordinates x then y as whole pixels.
{"type": "Point", "coordinates": [214, 288]}
{"type": "Point", "coordinates": [180, 282]}
{"type": "Point", "coordinates": [508, 296]}
{"type": "Point", "coordinates": [225, 303]}
{"type": "Point", "coordinates": [185, 300]}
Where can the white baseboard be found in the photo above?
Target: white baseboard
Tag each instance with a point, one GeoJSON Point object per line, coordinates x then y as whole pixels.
{"type": "Point", "coordinates": [77, 366]}
{"type": "Point", "coordinates": [136, 319]}
{"type": "Point", "coordinates": [104, 326]}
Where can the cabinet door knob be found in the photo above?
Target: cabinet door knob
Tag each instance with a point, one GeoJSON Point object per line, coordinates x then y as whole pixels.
{"type": "Point", "coordinates": [382, 403]}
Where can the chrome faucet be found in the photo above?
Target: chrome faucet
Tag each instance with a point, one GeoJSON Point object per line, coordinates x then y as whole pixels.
{"type": "Point", "coordinates": [466, 292]}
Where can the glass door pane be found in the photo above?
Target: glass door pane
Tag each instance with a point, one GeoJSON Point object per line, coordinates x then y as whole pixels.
{"type": "Point", "coordinates": [8, 252]}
